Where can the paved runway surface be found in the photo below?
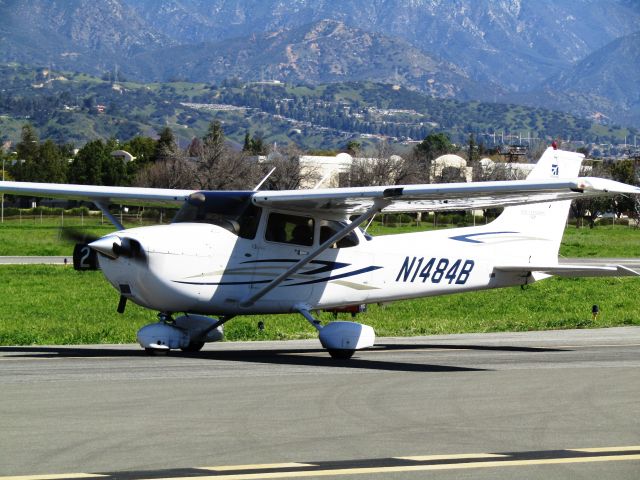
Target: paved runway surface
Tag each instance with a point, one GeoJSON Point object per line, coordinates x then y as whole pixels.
{"type": "Point", "coordinates": [526, 405]}
{"type": "Point", "coordinates": [28, 260]}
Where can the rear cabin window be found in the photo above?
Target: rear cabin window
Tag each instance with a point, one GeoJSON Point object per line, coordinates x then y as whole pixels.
{"type": "Point", "coordinates": [294, 229]}
{"type": "Point", "coordinates": [329, 228]}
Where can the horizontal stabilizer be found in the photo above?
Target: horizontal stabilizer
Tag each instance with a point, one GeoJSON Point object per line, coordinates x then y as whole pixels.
{"type": "Point", "coordinates": [566, 270]}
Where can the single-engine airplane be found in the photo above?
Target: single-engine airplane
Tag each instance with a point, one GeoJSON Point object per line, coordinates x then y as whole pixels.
{"type": "Point", "coordinates": [230, 253]}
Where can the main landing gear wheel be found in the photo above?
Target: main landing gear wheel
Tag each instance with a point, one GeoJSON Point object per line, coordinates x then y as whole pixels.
{"type": "Point", "coordinates": [339, 354]}
{"type": "Point", "coordinates": [193, 347]}
{"type": "Point", "coordinates": [156, 351]}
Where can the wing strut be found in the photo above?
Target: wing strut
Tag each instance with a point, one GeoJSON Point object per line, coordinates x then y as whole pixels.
{"type": "Point", "coordinates": [104, 209]}
{"type": "Point", "coordinates": [378, 205]}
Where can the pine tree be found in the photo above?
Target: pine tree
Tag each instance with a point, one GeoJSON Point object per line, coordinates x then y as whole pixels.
{"type": "Point", "coordinates": [214, 138]}
{"type": "Point", "coordinates": [165, 146]}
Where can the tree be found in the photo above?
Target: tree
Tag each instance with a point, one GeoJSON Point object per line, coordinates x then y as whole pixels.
{"type": "Point", "coordinates": [383, 167]}
{"type": "Point", "coordinates": [94, 165]}
{"type": "Point", "coordinates": [25, 168]}
{"type": "Point", "coordinates": [433, 146]}
{"type": "Point", "coordinates": [353, 147]}
{"type": "Point", "coordinates": [215, 136]}
{"type": "Point", "coordinates": [114, 170]}
{"type": "Point", "coordinates": [591, 208]}
{"type": "Point", "coordinates": [624, 171]}
{"type": "Point", "coordinates": [46, 162]}
{"type": "Point", "coordinates": [450, 174]}
{"type": "Point", "coordinates": [86, 168]}
{"type": "Point", "coordinates": [143, 148]}
{"type": "Point", "coordinates": [289, 174]}
{"type": "Point", "coordinates": [217, 167]}
{"type": "Point", "coordinates": [52, 164]}
{"type": "Point", "coordinates": [176, 172]}
{"type": "Point", "coordinates": [473, 158]}
{"type": "Point", "coordinates": [247, 142]}
{"type": "Point", "coordinates": [166, 145]}
{"type": "Point", "coordinates": [254, 146]}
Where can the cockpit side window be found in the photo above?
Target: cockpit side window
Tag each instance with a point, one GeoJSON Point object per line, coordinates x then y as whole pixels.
{"type": "Point", "coordinates": [294, 229]}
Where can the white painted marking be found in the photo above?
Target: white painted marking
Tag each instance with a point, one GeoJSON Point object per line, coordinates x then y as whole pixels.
{"type": "Point", "coordinates": [53, 476]}
{"type": "Point", "coordinates": [412, 468]}
{"type": "Point", "coordinates": [427, 458]}
{"type": "Point", "coordinates": [257, 466]}
{"type": "Point", "coordinates": [606, 449]}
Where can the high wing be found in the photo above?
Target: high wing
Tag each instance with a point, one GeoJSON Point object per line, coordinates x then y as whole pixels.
{"type": "Point", "coordinates": [355, 200]}
{"type": "Point", "coordinates": [160, 197]}
{"type": "Point", "coordinates": [440, 197]}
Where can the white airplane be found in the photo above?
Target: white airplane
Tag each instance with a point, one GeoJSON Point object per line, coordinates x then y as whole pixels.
{"type": "Point", "coordinates": [231, 253]}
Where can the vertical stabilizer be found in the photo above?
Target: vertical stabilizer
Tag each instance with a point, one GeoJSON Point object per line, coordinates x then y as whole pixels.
{"type": "Point", "coordinates": [543, 223]}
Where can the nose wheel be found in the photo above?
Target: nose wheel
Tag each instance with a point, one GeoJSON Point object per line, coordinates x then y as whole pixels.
{"type": "Point", "coordinates": [340, 354]}
{"type": "Point", "coordinates": [340, 339]}
{"type": "Point", "coordinates": [193, 347]}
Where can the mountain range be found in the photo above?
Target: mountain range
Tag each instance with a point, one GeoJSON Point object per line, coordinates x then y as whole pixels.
{"type": "Point", "coordinates": [579, 56]}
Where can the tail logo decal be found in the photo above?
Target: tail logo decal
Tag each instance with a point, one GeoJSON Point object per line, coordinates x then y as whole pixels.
{"type": "Point", "coordinates": [467, 238]}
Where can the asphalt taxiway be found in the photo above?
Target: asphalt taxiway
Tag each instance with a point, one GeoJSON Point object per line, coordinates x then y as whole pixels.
{"type": "Point", "coordinates": [560, 404]}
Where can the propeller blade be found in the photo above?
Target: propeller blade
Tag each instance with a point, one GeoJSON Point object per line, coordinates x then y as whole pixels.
{"type": "Point", "coordinates": [77, 235]}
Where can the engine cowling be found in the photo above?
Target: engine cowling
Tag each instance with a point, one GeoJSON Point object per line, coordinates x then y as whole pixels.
{"type": "Point", "coordinates": [346, 336]}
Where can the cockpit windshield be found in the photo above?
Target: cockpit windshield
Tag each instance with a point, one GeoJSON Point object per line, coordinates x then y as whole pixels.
{"type": "Point", "coordinates": [228, 209]}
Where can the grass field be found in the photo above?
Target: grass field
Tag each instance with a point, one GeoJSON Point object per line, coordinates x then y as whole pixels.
{"type": "Point", "coordinates": [81, 309]}
{"type": "Point", "coordinates": [35, 235]}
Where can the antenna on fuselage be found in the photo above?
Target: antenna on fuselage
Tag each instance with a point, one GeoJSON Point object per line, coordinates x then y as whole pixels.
{"type": "Point", "coordinates": [257, 187]}
{"type": "Point", "coordinates": [368, 224]}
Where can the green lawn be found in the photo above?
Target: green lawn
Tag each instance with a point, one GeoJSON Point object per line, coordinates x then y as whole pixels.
{"type": "Point", "coordinates": [35, 235]}
{"type": "Point", "coordinates": [81, 308]}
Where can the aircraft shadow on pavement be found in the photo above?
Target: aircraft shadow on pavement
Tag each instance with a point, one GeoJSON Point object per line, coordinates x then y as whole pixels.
{"type": "Point", "coordinates": [301, 357]}
{"type": "Point", "coordinates": [320, 358]}
{"type": "Point", "coordinates": [446, 346]}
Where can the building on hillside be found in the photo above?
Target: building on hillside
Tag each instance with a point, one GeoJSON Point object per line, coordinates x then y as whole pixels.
{"type": "Point", "coordinates": [450, 161]}
{"type": "Point", "coordinates": [327, 171]}
{"type": "Point", "coordinates": [123, 155]}
{"type": "Point", "coordinates": [330, 171]}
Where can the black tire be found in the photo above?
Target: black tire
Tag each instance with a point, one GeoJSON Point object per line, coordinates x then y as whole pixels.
{"type": "Point", "coordinates": [340, 354]}
{"type": "Point", "coordinates": [155, 351]}
{"type": "Point", "coordinates": [193, 347]}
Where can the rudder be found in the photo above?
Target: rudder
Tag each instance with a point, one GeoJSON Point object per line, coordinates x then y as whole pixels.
{"type": "Point", "coordinates": [543, 222]}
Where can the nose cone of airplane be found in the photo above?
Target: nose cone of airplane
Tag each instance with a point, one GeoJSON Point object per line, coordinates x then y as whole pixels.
{"type": "Point", "coordinates": [107, 245]}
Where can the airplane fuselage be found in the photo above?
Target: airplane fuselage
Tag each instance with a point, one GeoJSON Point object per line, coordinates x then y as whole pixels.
{"type": "Point", "coordinates": [203, 268]}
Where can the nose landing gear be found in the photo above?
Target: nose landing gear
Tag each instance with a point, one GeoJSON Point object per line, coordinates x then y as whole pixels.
{"type": "Point", "coordinates": [188, 333]}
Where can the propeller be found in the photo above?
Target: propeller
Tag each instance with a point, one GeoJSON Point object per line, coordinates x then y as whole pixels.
{"type": "Point", "coordinates": [114, 246]}
{"type": "Point", "coordinates": [77, 235]}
